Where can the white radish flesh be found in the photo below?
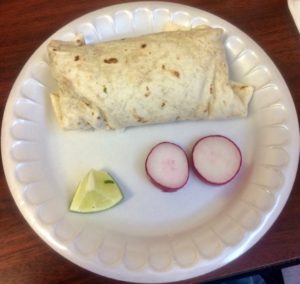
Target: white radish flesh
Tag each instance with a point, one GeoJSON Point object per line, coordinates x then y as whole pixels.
{"type": "Point", "coordinates": [216, 159]}
{"type": "Point", "coordinates": [167, 166]}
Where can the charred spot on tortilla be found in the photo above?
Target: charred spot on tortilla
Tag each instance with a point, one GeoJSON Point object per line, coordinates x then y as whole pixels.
{"type": "Point", "coordinates": [148, 93]}
{"type": "Point", "coordinates": [76, 58]}
{"type": "Point", "coordinates": [140, 119]}
{"type": "Point", "coordinates": [143, 45]}
{"type": "Point", "coordinates": [163, 104]}
{"type": "Point", "coordinates": [111, 60]}
{"type": "Point", "coordinates": [175, 73]}
{"type": "Point", "coordinates": [79, 42]}
{"type": "Point", "coordinates": [104, 89]}
{"type": "Point", "coordinates": [137, 117]}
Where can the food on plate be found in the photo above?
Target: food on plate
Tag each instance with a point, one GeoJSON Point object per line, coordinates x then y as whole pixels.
{"type": "Point", "coordinates": [216, 159]}
{"type": "Point", "coordinates": [167, 166]}
{"type": "Point", "coordinates": [96, 192]}
{"type": "Point", "coordinates": [155, 78]}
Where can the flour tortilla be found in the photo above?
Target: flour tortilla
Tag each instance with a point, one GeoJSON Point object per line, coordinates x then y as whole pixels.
{"type": "Point", "coordinates": [157, 78]}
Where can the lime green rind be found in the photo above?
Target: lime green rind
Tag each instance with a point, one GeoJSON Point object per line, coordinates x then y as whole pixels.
{"type": "Point", "coordinates": [95, 210]}
{"type": "Point", "coordinates": [93, 194]}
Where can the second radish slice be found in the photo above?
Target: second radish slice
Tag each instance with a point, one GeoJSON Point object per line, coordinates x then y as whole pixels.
{"type": "Point", "coordinates": [216, 159]}
{"type": "Point", "coordinates": [167, 166]}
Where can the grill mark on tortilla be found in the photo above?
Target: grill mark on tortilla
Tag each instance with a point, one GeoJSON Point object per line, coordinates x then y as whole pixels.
{"type": "Point", "coordinates": [76, 58]}
{"type": "Point", "coordinates": [143, 45]}
{"type": "Point", "coordinates": [111, 60]}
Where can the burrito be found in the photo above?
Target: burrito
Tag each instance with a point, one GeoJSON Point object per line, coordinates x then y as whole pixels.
{"type": "Point", "coordinates": [156, 78]}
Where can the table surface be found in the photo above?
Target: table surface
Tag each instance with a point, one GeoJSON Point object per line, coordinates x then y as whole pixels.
{"type": "Point", "coordinates": [24, 25]}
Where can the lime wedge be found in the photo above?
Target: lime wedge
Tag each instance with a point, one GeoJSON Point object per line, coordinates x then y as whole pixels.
{"type": "Point", "coordinates": [96, 192]}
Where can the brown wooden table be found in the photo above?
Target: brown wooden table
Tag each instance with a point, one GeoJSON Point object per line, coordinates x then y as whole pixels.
{"type": "Point", "coordinates": [24, 25]}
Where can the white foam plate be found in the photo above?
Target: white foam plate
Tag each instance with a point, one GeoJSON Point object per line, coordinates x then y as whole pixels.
{"type": "Point", "coordinates": [150, 236]}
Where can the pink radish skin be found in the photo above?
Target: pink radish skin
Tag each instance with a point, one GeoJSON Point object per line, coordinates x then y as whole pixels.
{"type": "Point", "coordinates": [216, 159]}
{"type": "Point", "coordinates": [167, 166]}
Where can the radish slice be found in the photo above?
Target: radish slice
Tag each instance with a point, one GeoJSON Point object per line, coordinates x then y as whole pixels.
{"type": "Point", "coordinates": [167, 166]}
{"type": "Point", "coordinates": [216, 159]}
